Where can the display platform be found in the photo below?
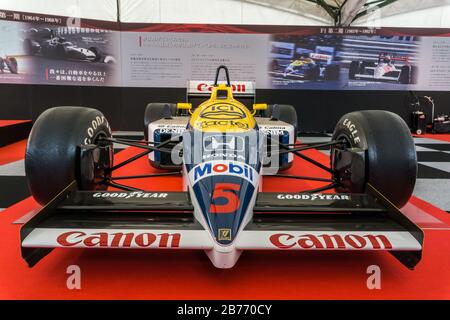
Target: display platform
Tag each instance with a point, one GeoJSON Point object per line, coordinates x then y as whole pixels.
{"type": "Point", "coordinates": [12, 131]}
{"type": "Point", "coordinates": [142, 274]}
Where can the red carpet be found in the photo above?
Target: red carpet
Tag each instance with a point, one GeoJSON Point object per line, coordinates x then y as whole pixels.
{"type": "Point", "coordinates": [125, 274]}
{"type": "Point", "coordinates": [5, 123]}
{"type": "Point", "coordinates": [437, 136]}
{"type": "Point", "coordinates": [13, 152]}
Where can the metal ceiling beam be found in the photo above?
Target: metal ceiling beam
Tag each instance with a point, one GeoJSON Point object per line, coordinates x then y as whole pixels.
{"type": "Point", "coordinates": [370, 6]}
{"type": "Point", "coordinates": [349, 10]}
{"type": "Point", "coordinates": [341, 12]}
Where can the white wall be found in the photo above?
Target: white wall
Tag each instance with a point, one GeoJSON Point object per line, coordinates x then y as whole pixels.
{"type": "Point", "coordinates": [230, 12]}
{"type": "Point", "coordinates": [88, 9]}
{"type": "Point", "coordinates": [207, 11]}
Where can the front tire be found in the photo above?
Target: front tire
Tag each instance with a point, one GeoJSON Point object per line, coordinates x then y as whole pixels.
{"type": "Point", "coordinates": [51, 158]}
{"type": "Point", "coordinates": [390, 156]}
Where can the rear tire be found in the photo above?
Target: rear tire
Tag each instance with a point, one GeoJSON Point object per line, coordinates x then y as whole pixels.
{"type": "Point", "coordinates": [288, 114]}
{"type": "Point", "coordinates": [51, 158]}
{"type": "Point", "coordinates": [353, 70]}
{"type": "Point", "coordinates": [155, 112]}
{"type": "Point", "coordinates": [405, 75]}
{"type": "Point", "coordinates": [391, 159]}
{"type": "Point", "coordinates": [332, 72]}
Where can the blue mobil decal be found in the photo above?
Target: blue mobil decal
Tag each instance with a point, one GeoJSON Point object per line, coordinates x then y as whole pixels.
{"type": "Point", "coordinates": [223, 167]}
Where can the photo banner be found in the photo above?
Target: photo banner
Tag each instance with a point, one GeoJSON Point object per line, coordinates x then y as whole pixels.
{"type": "Point", "coordinates": [47, 49]}
{"type": "Point", "coordinates": [40, 49]}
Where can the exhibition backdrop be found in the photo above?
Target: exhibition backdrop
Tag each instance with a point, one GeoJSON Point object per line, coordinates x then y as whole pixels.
{"type": "Point", "coordinates": [67, 51]}
{"type": "Point", "coordinates": [120, 67]}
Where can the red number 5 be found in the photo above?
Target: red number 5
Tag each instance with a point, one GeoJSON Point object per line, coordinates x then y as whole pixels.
{"type": "Point", "coordinates": [225, 191]}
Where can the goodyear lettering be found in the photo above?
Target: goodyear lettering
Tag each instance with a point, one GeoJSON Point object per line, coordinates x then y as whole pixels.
{"type": "Point", "coordinates": [128, 195]}
{"type": "Point", "coordinates": [313, 197]}
{"type": "Point", "coordinates": [95, 123]}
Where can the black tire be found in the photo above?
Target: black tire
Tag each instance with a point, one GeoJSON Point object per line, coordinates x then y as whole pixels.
{"type": "Point", "coordinates": [332, 72]}
{"type": "Point", "coordinates": [353, 70]}
{"type": "Point", "coordinates": [156, 111]}
{"type": "Point", "coordinates": [98, 54]}
{"type": "Point", "coordinates": [12, 65]}
{"type": "Point", "coordinates": [287, 114]}
{"type": "Point", "coordinates": [391, 159]}
{"type": "Point", "coordinates": [413, 75]}
{"type": "Point", "coordinates": [61, 52]}
{"type": "Point", "coordinates": [405, 75]}
{"type": "Point", "coordinates": [314, 73]}
{"type": "Point", "coordinates": [51, 155]}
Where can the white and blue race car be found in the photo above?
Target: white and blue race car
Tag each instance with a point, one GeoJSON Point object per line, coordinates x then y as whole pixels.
{"type": "Point", "coordinates": [223, 148]}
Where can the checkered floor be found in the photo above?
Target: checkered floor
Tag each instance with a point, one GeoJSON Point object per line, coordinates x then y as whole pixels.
{"type": "Point", "coordinates": [433, 184]}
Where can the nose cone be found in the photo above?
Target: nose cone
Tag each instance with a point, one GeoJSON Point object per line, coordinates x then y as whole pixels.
{"type": "Point", "coordinates": [225, 192]}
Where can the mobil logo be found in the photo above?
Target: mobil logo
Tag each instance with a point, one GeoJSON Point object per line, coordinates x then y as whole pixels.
{"type": "Point", "coordinates": [223, 167]}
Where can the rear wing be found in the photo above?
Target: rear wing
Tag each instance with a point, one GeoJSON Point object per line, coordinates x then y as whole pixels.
{"type": "Point", "coordinates": [199, 91]}
{"type": "Point", "coordinates": [165, 220]}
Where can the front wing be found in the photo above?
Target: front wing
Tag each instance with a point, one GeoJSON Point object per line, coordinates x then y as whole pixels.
{"type": "Point", "coordinates": [164, 220]}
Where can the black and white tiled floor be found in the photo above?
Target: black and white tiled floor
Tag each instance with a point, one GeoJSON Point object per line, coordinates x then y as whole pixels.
{"type": "Point", "coordinates": [433, 183]}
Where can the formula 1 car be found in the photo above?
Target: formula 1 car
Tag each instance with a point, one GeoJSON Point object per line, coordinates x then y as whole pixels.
{"type": "Point", "coordinates": [10, 63]}
{"type": "Point", "coordinates": [45, 43]}
{"type": "Point", "coordinates": [313, 66]}
{"type": "Point", "coordinates": [383, 70]}
{"type": "Point", "coordinates": [222, 149]}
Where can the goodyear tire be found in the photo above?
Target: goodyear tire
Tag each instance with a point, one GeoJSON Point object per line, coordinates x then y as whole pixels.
{"type": "Point", "coordinates": [51, 161]}
{"type": "Point", "coordinates": [155, 112]}
{"type": "Point", "coordinates": [391, 159]}
{"type": "Point", "coordinates": [287, 113]}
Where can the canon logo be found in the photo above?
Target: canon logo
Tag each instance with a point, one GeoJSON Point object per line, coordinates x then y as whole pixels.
{"type": "Point", "coordinates": [203, 87]}
{"type": "Point", "coordinates": [119, 240]}
{"type": "Point", "coordinates": [330, 241]}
